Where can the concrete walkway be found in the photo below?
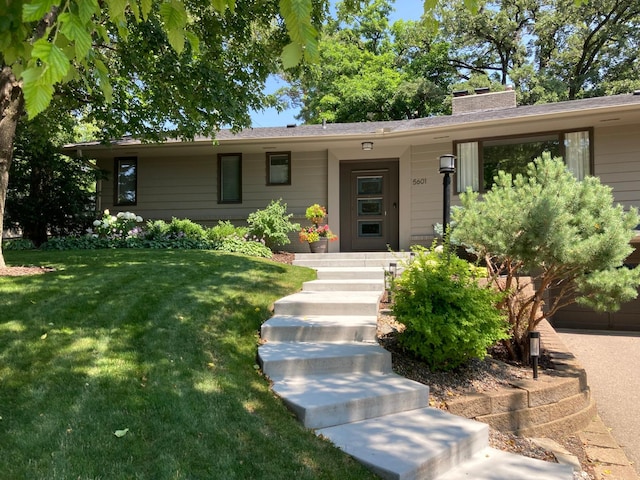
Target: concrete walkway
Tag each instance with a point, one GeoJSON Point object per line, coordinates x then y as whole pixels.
{"type": "Point", "coordinates": [612, 363]}
{"type": "Point", "coordinates": [319, 349]}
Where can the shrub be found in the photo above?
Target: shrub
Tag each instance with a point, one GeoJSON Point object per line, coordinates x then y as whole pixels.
{"type": "Point", "coordinates": [156, 230]}
{"type": "Point", "coordinates": [187, 228]}
{"type": "Point", "coordinates": [18, 244]}
{"type": "Point", "coordinates": [272, 224]}
{"type": "Point", "coordinates": [449, 317]}
{"type": "Point", "coordinates": [112, 232]}
{"type": "Point", "coordinates": [236, 244]}
{"type": "Point", "coordinates": [225, 229]}
{"type": "Point", "coordinates": [121, 225]}
{"type": "Point", "coordinates": [552, 232]}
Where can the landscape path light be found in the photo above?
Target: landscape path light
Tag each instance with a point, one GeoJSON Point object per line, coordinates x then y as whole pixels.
{"type": "Point", "coordinates": [534, 351]}
{"type": "Point", "coordinates": [390, 279]}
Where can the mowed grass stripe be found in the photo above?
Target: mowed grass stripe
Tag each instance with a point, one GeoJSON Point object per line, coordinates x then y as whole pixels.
{"type": "Point", "coordinates": [162, 343]}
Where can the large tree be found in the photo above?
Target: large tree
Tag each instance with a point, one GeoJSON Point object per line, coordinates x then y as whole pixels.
{"type": "Point", "coordinates": [549, 49]}
{"type": "Point", "coordinates": [150, 68]}
{"type": "Point", "coordinates": [49, 193]}
{"type": "Point", "coordinates": [371, 70]}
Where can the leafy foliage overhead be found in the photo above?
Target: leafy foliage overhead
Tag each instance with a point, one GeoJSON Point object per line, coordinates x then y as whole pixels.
{"type": "Point", "coordinates": [48, 42]}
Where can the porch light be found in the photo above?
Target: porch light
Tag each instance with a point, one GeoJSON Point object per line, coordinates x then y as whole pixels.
{"type": "Point", "coordinates": [447, 163]}
{"type": "Point", "coordinates": [367, 146]}
{"type": "Point", "coordinates": [447, 166]}
{"type": "Point", "coordinates": [534, 351]}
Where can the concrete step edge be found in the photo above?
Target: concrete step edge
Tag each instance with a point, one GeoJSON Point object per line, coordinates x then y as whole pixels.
{"type": "Point", "coordinates": [491, 464]}
{"type": "Point", "coordinates": [351, 285]}
{"type": "Point", "coordinates": [415, 444]}
{"type": "Point", "coordinates": [325, 328]}
{"type": "Point", "coordinates": [321, 401]}
{"type": "Point", "coordinates": [293, 359]}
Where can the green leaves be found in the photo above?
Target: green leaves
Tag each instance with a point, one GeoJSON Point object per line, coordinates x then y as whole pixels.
{"type": "Point", "coordinates": [221, 5]}
{"type": "Point", "coordinates": [174, 17]}
{"type": "Point", "coordinates": [37, 93]}
{"type": "Point", "coordinates": [35, 10]}
{"type": "Point", "coordinates": [73, 27]}
{"type": "Point", "coordinates": [304, 37]}
{"type": "Point", "coordinates": [559, 231]}
{"type": "Point", "coordinates": [38, 81]}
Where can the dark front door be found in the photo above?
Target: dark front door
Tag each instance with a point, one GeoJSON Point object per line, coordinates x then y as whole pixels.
{"type": "Point", "coordinates": [369, 206]}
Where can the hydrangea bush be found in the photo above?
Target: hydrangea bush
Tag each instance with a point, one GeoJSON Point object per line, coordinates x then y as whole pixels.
{"type": "Point", "coordinates": [121, 225]}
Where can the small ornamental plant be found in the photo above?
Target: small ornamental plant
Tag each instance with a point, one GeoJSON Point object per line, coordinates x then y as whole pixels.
{"type": "Point", "coordinates": [316, 214]}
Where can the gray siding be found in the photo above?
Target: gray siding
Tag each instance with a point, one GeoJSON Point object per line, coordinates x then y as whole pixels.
{"type": "Point", "coordinates": [185, 186]}
{"type": "Point", "coordinates": [617, 161]}
{"type": "Point", "coordinates": [426, 198]}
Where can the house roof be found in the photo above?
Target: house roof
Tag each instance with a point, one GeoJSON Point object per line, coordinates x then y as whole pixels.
{"type": "Point", "coordinates": [440, 121]}
{"type": "Point", "coordinates": [588, 105]}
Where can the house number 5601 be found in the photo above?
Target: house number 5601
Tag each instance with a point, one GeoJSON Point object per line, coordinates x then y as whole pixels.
{"type": "Point", "coordinates": [419, 181]}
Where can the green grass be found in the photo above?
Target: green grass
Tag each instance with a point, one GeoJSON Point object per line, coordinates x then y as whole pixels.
{"type": "Point", "coordinates": [162, 343]}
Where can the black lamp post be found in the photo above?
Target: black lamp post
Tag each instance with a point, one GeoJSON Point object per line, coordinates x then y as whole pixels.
{"type": "Point", "coordinates": [447, 167]}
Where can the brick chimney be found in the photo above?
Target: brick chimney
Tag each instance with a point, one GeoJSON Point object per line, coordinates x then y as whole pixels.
{"type": "Point", "coordinates": [482, 101]}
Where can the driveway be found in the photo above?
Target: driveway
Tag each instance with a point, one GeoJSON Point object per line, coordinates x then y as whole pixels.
{"type": "Point", "coordinates": [612, 362]}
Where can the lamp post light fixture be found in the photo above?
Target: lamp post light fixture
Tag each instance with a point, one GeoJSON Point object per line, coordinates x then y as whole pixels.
{"type": "Point", "coordinates": [367, 146]}
{"type": "Point", "coordinates": [534, 351]}
{"type": "Point", "coordinates": [447, 167]}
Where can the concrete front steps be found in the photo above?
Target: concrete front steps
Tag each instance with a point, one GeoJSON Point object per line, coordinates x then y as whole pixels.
{"type": "Point", "coordinates": [321, 353]}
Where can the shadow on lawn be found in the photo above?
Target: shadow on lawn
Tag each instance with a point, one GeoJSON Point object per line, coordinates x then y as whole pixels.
{"type": "Point", "coordinates": [162, 345]}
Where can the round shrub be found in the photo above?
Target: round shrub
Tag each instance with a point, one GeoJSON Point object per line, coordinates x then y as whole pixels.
{"type": "Point", "coordinates": [449, 317]}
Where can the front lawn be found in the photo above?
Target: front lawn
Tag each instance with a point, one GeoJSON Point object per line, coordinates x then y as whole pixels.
{"type": "Point", "coordinates": [133, 364]}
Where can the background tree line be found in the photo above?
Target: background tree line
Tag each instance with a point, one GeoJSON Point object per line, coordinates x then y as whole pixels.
{"type": "Point", "coordinates": [549, 50]}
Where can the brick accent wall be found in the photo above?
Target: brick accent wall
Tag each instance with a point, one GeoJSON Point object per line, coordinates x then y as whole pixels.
{"type": "Point", "coordinates": [484, 102]}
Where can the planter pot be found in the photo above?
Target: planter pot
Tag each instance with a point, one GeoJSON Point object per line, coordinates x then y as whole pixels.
{"type": "Point", "coordinates": [320, 246]}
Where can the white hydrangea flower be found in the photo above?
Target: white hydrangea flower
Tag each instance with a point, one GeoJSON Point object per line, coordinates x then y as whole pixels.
{"type": "Point", "coordinates": [138, 219]}
{"type": "Point", "coordinates": [120, 215]}
{"type": "Point", "coordinates": [106, 212]}
{"type": "Point", "coordinates": [97, 223]}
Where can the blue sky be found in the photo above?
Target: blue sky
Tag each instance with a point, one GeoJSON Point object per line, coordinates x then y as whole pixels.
{"type": "Point", "coordinates": [404, 9]}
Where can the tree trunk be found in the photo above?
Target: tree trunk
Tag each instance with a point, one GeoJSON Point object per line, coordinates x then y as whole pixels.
{"type": "Point", "coordinates": [11, 106]}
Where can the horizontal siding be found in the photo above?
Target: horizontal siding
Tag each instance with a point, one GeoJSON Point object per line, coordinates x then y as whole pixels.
{"type": "Point", "coordinates": [187, 188]}
{"type": "Point", "coordinates": [617, 161]}
{"type": "Point", "coordinates": [575, 316]}
{"type": "Point", "coordinates": [426, 198]}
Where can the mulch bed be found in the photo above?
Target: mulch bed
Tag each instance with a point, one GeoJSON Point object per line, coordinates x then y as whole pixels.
{"type": "Point", "coordinates": [21, 271]}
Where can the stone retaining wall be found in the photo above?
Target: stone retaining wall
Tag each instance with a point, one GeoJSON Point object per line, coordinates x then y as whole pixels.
{"type": "Point", "coordinates": [559, 402]}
